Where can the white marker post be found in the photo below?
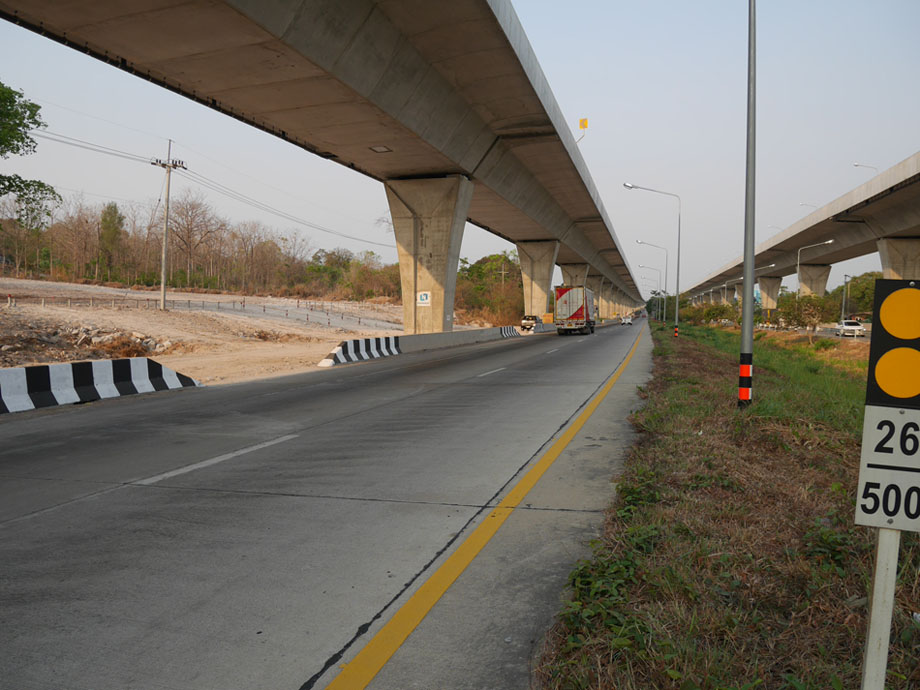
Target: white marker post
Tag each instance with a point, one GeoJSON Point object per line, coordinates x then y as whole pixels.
{"type": "Point", "coordinates": [889, 472]}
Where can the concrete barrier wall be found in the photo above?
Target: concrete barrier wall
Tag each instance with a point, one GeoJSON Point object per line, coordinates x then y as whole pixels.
{"type": "Point", "coordinates": [363, 349]}
{"type": "Point", "coordinates": [46, 385]}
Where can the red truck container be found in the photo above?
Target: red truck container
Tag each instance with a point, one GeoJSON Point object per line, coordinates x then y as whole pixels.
{"type": "Point", "coordinates": [575, 309]}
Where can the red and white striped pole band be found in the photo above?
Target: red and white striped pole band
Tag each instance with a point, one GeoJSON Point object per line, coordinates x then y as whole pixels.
{"type": "Point", "coordinates": [746, 377]}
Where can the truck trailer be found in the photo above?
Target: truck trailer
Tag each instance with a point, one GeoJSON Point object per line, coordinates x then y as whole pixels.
{"type": "Point", "coordinates": [575, 309]}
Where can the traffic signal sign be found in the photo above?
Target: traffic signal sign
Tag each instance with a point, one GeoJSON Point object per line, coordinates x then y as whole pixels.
{"type": "Point", "coordinates": [894, 355]}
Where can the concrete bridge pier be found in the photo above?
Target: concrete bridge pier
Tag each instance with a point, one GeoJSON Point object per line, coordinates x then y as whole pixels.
{"type": "Point", "coordinates": [617, 304]}
{"type": "Point", "coordinates": [610, 302]}
{"type": "Point", "coordinates": [813, 279]}
{"type": "Point", "coordinates": [596, 285]}
{"type": "Point", "coordinates": [538, 261]}
{"type": "Point", "coordinates": [428, 219]}
{"type": "Point", "coordinates": [900, 258]}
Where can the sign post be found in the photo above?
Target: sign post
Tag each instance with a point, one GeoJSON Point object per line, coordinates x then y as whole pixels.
{"type": "Point", "coordinates": [888, 495]}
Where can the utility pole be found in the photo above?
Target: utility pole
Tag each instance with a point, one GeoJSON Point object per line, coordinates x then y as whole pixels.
{"type": "Point", "coordinates": [169, 165]}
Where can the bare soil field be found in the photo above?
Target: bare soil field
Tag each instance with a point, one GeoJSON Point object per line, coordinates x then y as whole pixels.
{"type": "Point", "coordinates": [249, 338]}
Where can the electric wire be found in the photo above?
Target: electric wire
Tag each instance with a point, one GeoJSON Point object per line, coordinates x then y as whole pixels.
{"type": "Point", "coordinates": [215, 186]}
{"type": "Point", "coordinates": [202, 181]}
{"type": "Point", "coordinates": [90, 146]}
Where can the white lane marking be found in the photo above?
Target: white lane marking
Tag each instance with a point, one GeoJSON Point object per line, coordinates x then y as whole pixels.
{"type": "Point", "coordinates": [551, 351]}
{"type": "Point", "coordinates": [478, 376]}
{"type": "Point", "coordinates": [213, 461]}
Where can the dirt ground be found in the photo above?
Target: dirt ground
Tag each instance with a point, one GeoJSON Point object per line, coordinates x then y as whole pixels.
{"type": "Point", "coordinates": [37, 326]}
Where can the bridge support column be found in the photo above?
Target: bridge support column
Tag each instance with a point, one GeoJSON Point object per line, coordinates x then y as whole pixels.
{"type": "Point", "coordinates": [428, 220]}
{"type": "Point", "coordinates": [596, 285]}
{"type": "Point", "coordinates": [900, 258]}
{"type": "Point", "coordinates": [813, 279]}
{"type": "Point", "coordinates": [616, 304]}
{"type": "Point", "coordinates": [538, 261]}
{"type": "Point", "coordinates": [608, 306]}
{"type": "Point", "coordinates": [574, 274]}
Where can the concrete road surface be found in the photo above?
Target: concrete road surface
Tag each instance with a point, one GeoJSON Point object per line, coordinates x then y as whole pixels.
{"type": "Point", "coordinates": [261, 535]}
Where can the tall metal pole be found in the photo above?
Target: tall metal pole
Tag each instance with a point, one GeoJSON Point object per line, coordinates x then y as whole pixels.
{"type": "Point", "coordinates": [165, 230]}
{"type": "Point", "coordinates": [844, 294]}
{"type": "Point", "coordinates": [745, 373]}
{"type": "Point", "coordinates": [664, 249]}
{"type": "Point", "coordinates": [677, 274]}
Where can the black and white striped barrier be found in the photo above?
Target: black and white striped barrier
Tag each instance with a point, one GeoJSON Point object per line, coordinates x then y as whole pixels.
{"type": "Point", "coordinates": [27, 388]}
{"type": "Point", "coordinates": [373, 348]}
{"type": "Point", "coordinates": [361, 350]}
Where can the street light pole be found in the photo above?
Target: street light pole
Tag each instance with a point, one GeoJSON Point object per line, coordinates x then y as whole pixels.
{"type": "Point", "coordinates": [677, 269]}
{"type": "Point", "coordinates": [861, 165]}
{"type": "Point", "coordinates": [656, 292]}
{"type": "Point", "coordinates": [658, 271]}
{"type": "Point", "coordinates": [844, 297]}
{"type": "Point", "coordinates": [798, 261]}
{"type": "Point", "coordinates": [665, 315]}
{"type": "Point", "coordinates": [745, 372]}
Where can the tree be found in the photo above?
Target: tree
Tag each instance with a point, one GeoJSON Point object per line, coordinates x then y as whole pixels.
{"type": "Point", "coordinates": [806, 312]}
{"type": "Point", "coordinates": [862, 292]}
{"type": "Point", "coordinates": [34, 199]}
{"type": "Point", "coordinates": [111, 229]}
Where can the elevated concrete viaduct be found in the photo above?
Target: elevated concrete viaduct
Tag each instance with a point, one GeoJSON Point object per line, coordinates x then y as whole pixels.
{"type": "Point", "coordinates": [443, 102]}
{"type": "Point", "coordinates": [881, 215]}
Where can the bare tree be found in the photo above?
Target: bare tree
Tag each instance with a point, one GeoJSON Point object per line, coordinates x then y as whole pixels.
{"type": "Point", "coordinates": [191, 222]}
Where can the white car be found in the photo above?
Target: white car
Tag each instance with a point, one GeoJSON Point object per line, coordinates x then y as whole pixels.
{"type": "Point", "coordinates": [627, 321]}
{"type": "Point", "coordinates": [854, 328]}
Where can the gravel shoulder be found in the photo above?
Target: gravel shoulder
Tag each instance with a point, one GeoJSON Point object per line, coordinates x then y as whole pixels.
{"type": "Point", "coordinates": [37, 326]}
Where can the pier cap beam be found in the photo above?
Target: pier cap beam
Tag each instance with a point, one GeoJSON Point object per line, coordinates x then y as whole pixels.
{"type": "Point", "coordinates": [769, 291]}
{"type": "Point", "coordinates": [538, 261]}
{"type": "Point", "coordinates": [813, 279]}
{"type": "Point", "coordinates": [574, 274]}
{"type": "Point", "coordinates": [900, 258]}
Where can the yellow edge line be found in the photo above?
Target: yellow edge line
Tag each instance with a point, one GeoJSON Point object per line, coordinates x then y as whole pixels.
{"type": "Point", "coordinates": [368, 662]}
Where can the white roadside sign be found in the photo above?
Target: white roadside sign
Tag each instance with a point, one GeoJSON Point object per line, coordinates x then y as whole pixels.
{"type": "Point", "coordinates": [888, 494]}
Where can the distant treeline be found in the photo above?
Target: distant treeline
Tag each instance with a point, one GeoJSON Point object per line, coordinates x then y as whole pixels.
{"type": "Point", "coordinates": [122, 244]}
{"type": "Point", "coordinates": [800, 311]}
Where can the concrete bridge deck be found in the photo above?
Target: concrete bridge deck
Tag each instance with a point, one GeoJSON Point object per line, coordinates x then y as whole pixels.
{"type": "Point", "coordinates": [443, 102]}
{"type": "Point", "coordinates": [882, 215]}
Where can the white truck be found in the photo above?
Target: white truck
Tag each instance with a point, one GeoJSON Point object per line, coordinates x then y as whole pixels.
{"type": "Point", "coordinates": [575, 309]}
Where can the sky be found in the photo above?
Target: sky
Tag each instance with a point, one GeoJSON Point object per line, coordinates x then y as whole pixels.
{"type": "Point", "coordinates": [663, 84]}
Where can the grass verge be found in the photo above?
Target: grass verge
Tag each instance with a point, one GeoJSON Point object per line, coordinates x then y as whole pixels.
{"type": "Point", "coordinates": [729, 559]}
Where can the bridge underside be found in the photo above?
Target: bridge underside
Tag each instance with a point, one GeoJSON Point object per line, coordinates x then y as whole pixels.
{"type": "Point", "coordinates": [395, 89]}
{"type": "Point", "coordinates": [881, 216]}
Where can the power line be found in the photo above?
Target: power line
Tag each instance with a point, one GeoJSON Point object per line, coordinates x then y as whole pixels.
{"type": "Point", "coordinates": [255, 179]}
{"type": "Point", "coordinates": [181, 144]}
{"type": "Point", "coordinates": [90, 146]}
{"type": "Point", "coordinates": [101, 119]}
{"type": "Point", "coordinates": [215, 186]}
{"type": "Point", "coordinates": [203, 181]}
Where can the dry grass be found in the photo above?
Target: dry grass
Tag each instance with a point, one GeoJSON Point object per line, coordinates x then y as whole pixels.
{"type": "Point", "coordinates": [730, 559]}
{"type": "Point", "coordinates": [849, 355]}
